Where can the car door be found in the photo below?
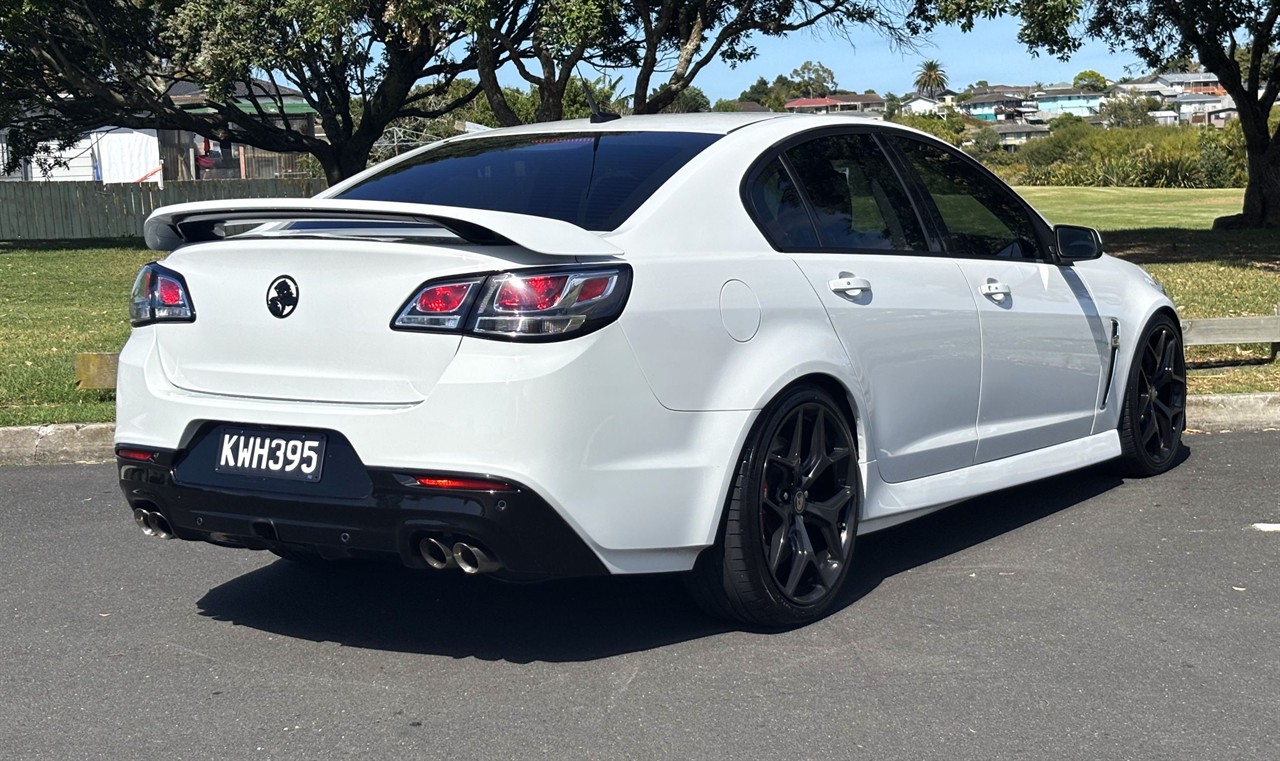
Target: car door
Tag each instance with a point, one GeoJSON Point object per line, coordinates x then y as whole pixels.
{"type": "Point", "coordinates": [900, 307]}
{"type": "Point", "coordinates": [1044, 343]}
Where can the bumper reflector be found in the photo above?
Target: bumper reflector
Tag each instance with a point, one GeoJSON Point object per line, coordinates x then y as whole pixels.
{"type": "Point", "coordinates": [463, 484]}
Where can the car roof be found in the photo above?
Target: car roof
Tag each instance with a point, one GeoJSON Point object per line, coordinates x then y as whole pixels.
{"type": "Point", "coordinates": [720, 123]}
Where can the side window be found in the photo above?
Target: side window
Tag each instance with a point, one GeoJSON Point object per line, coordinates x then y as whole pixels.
{"type": "Point", "coordinates": [779, 209]}
{"type": "Point", "coordinates": [856, 196]}
{"type": "Point", "coordinates": [982, 218]}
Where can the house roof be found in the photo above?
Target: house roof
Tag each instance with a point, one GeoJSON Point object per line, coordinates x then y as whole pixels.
{"type": "Point", "coordinates": [853, 97]}
{"type": "Point", "coordinates": [993, 98]}
{"type": "Point", "coordinates": [750, 106]}
{"type": "Point", "coordinates": [813, 103]}
{"type": "Point", "coordinates": [917, 96]}
{"type": "Point", "coordinates": [1179, 78]}
{"type": "Point", "coordinates": [1065, 92]}
{"type": "Point", "coordinates": [192, 92]}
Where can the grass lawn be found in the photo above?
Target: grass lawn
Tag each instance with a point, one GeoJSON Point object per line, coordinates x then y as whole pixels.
{"type": "Point", "coordinates": [58, 299]}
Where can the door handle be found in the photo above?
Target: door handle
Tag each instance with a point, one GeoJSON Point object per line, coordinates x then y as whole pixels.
{"type": "Point", "coordinates": [995, 290]}
{"type": "Point", "coordinates": [850, 286]}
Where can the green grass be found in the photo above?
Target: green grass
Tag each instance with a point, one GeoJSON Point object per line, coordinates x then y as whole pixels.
{"type": "Point", "coordinates": [58, 299]}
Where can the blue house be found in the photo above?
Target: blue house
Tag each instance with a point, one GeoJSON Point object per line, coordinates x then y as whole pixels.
{"type": "Point", "coordinates": [1069, 101]}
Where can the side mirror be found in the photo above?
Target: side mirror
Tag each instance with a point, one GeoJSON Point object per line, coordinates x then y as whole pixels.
{"type": "Point", "coordinates": [1077, 244]}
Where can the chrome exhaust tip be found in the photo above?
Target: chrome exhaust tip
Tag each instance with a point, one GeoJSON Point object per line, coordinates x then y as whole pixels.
{"type": "Point", "coordinates": [160, 526]}
{"type": "Point", "coordinates": [437, 554]}
{"type": "Point", "coordinates": [143, 520]}
{"type": "Point", "coordinates": [472, 559]}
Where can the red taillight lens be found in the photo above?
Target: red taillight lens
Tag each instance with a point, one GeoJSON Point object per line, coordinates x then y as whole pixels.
{"type": "Point", "coordinates": [170, 292]}
{"type": "Point", "coordinates": [594, 288]}
{"type": "Point", "coordinates": [530, 294]}
{"type": "Point", "coordinates": [160, 295]}
{"type": "Point", "coordinates": [139, 455]}
{"type": "Point", "coordinates": [443, 298]}
{"type": "Point", "coordinates": [463, 484]}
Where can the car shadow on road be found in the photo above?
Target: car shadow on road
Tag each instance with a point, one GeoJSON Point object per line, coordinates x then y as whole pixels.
{"type": "Point", "coordinates": [388, 608]}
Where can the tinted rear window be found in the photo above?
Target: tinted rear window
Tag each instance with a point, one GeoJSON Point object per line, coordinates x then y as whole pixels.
{"type": "Point", "coordinates": [592, 180]}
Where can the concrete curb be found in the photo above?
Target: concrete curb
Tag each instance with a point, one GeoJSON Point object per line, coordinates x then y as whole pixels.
{"type": "Point", "coordinates": [80, 443]}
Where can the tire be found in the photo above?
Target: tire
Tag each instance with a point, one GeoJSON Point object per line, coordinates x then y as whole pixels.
{"type": "Point", "coordinates": [1155, 401]}
{"type": "Point", "coordinates": [791, 518]}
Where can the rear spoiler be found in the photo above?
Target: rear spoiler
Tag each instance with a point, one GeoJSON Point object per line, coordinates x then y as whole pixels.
{"type": "Point", "coordinates": [171, 227]}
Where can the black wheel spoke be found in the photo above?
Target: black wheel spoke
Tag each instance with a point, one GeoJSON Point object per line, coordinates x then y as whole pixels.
{"type": "Point", "coordinates": [808, 497]}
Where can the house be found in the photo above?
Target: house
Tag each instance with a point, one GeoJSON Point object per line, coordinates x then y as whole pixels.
{"type": "Point", "coordinates": [751, 107]}
{"type": "Point", "coordinates": [108, 155]}
{"type": "Point", "coordinates": [1058, 101]}
{"type": "Point", "coordinates": [1165, 118]}
{"type": "Point", "coordinates": [1013, 134]}
{"type": "Point", "coordinates": [814, 106]}
{"type": "Point", "coordinates": [864, 103]}
{"type": "Point", "coordinates": [837, 103]}
{"type": "Point", "coordinates": [919, 104]}
{"type": "Point", "coordinates": [1188, 105]}
{"type": "Point", "coordinates": [992, 107]}
{"type": "Point", "coordinates": [1199, 83]}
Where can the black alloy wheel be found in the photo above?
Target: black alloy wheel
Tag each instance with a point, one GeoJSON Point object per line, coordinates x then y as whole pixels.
{"type": "Point", "coordinates": [1155, 406]}
{"type": "Point", "coordinates": [791, 520]}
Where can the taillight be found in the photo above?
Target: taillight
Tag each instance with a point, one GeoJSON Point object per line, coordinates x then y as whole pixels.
{"type": "Point", "coordinates": [440, 305]}
{"type": "Point", "coordinates": [527, 305]}
{"type": "Point", "coordinates": [160, 295]}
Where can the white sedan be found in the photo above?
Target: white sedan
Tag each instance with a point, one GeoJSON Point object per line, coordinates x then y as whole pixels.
{"type": "Point", "coordinates": [720, 344]}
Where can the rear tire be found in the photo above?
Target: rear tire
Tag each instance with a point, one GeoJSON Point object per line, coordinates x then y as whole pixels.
{"type": "Point", "coordinates": [791, 519]}
{"type": "Point", "coordinates": [1155, 401]}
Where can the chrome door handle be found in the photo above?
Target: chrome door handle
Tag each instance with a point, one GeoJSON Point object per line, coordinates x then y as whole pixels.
{"type": "Point", "coordinates": [850, 286]}
{"type": "Point", "coordinates": [996, 291]}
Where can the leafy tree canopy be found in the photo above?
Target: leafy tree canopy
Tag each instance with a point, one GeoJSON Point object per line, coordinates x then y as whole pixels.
{"type": "Point", "coordinates": [1089, 81]}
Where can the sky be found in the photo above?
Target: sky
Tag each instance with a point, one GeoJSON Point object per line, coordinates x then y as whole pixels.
{"type": "Point", "coordinates": [991, 52]}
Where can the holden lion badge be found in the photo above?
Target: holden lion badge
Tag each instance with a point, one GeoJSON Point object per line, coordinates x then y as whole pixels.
{"type": "Point", "coordinates": [282, 296]}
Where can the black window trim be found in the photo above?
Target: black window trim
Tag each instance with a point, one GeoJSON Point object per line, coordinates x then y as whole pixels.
{"type": "Point", "coordinates": [778, 151]}
{"type": "Point", "coordinates": [939, 228]}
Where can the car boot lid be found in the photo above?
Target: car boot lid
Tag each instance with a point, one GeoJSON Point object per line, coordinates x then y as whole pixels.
{"type": "Point", "coordinates": [171, 227]}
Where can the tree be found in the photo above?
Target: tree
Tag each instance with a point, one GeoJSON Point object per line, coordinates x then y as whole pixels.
{"type": "Point", "coordinates": [814, 80]}
{"type": "Point", "coordinates": [691, 100]}
{"type": "Point", "coordinates": [679, 39]}
{"type": "Point", "coordinates": [1089, 81]}
{"type": "Point", "coordinates": [772, 95]}
{"type": "Point", "coordinates": [70, 66]}
{"type": "Point", "coordinates": [1161, 32]}
{"type": "Point", "coordinates": [930, 78]}
{"type": "Point", "coordinates": [1064, 120]}
{"type": "Point", "coordinates": [1130, 110]}
{"type": "Point", "coordinates": [986, 141]}
{"type": "Point", "coordinates": [727, 106]}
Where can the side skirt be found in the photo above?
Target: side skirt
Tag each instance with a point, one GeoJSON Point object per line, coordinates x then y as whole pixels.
{"type": "Point", "coordinates": [890, 504]}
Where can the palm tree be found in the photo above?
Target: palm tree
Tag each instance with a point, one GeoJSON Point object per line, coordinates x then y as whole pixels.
{"type": "Point", "coordinates": [930, 78]}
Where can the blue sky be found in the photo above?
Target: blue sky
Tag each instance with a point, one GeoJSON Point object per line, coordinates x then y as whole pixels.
{"type": "Point", "coordinates": [991, 52]}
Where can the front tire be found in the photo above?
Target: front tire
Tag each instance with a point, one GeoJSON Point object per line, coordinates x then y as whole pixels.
{"type": "Point", "coordinates": [1155, 401]}
{"type": "Point", "coordinates": [791, 518]}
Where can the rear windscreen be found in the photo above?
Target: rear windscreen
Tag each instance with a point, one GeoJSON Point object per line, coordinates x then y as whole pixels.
{"type": "Point", "coordinates": [592, 180]}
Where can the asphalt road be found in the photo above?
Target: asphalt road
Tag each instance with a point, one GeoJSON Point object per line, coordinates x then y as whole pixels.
{"type": "Point", "coordinates": [1079, 618]}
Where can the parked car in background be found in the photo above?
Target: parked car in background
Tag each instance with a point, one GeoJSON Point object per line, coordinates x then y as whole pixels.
{"type": "Point", "coordinates": [717, 344]}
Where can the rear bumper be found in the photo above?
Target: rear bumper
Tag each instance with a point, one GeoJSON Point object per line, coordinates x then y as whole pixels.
{"type": "Point", "coordinates": [385, 517]}
{"type": "Point", "coordinates": [575, 423]}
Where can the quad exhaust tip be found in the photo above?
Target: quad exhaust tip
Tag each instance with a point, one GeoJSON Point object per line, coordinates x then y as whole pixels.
{"type": "Point", "coordinates": [437, 554]}
{"type": "Point", "coordinates": [464, 555]}
{"type": "Point", "coordinates": [152, 524]}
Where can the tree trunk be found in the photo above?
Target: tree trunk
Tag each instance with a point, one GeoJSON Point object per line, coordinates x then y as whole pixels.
{"type": "Point", "coordinates": [1262, 192]}
{"type": "Point", "coordinates": [345, 160]}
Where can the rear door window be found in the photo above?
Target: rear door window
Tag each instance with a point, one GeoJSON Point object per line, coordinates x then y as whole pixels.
{"type": "Point", "coordinates": [856, 199]}
{"type": "Point", "coordinates": [592, 180]}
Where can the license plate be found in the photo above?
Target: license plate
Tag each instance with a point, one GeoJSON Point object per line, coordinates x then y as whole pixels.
{"type": "Point", "coordinates": [273, 454]}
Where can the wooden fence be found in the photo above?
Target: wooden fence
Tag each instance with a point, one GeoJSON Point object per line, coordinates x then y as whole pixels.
{"type": "Point", "coordinates": [69, 210]}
